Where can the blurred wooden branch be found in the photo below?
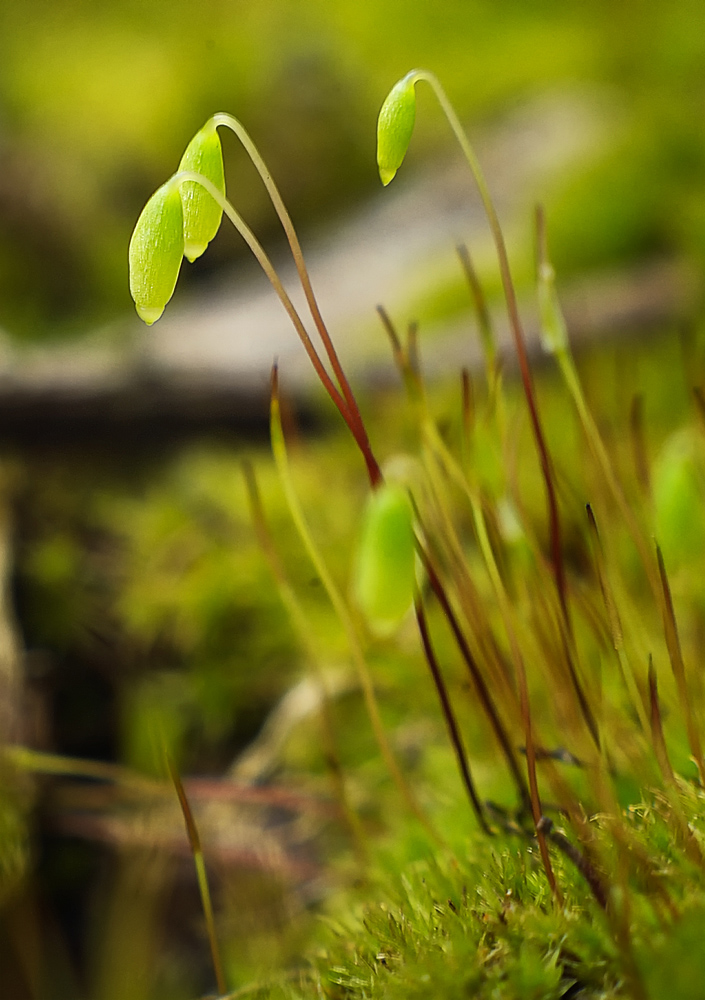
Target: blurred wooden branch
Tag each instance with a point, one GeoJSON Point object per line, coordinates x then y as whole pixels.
{"type": "Point", "coordinates": [117, 395]}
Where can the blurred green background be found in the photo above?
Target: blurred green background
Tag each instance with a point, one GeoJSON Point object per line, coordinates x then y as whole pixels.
{"type": "Point", "coordinates": [98, 100]}
{"type": "Point", "coordinates": [142, 597]}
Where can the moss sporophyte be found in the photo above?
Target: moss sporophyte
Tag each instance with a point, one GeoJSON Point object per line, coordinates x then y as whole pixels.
{"type": "Point", "coordinates": [156, 251]}
{"type": "Point", "coordinates": [202, 213]}
{"type": "Point", "coordinates": [516, 627]}
{"type": "Point", "coordinates": [384, 574]}
{"type": "Point", "coordinates": [395, 127]}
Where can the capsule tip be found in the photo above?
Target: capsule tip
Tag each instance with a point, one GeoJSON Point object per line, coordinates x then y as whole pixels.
{"type": "Point", "coordinates": [194, 250]}
{"type": "Point", "coordinates": [149, 314]}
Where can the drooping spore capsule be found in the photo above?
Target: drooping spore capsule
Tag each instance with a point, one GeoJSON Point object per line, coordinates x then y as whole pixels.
{"type": "Point", "coordinates": [395, 126]}
{"type": "Point", "coordinates": [156, 251]}
{"type": "Point", "coordinates": [384, 571]}
{"type": "Point", "coordinates": [202, 214]}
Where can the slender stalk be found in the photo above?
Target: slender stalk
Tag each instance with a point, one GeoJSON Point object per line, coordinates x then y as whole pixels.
{"type": "Point", "coordinates": [265, 263]}
{"type": "Point", "coordinates": [483, 692]}
{"type": "Point", "coordinates": [524, 701]}
{"type": "Point", "coordinates": [407, 365]}
{"type": "Point", "coordinates": [201, 875]}
{"type": "Point", "coordinates": [341, 610]}
{"type": "Point", "coordinates": [614, 625]}
{"type": "Point", "coordinates": [677, 665]}
{"type": "Point", "coordinates": [487, 335]}
{"type": "Point", "coordinates": [468, 409]}
{"type": "Point", "coordinates": [517, 332]}
{"type": "Point", "coordinates": [280, 208]}
{"type": "Point", "coordinates": [657, 738]}
{"type": "Point", "coordinates": [449, 715]}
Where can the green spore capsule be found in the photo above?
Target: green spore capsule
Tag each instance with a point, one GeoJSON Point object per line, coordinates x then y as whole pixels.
{"type": "Point", "coordinates": [384, 571]}
{"type": "Point", "coordinates": [202, 214]}
{"type": "Point", "coordinates": [395, 126]}
{"type": "Point", "coordinates": [156, 251]}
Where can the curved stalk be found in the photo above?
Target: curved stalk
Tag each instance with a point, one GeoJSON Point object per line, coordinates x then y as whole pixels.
{"type": "Point", "coordinates": [517, 331]}
{"type": "Point", "coordinates": [235, 126]}
{"type": "Point", "coordinates": [449, 715]}
{"type": "Point", "coordinates": [265, 263]}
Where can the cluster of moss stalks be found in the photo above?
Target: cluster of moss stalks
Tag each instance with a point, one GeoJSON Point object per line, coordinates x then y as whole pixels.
{"type": "Point", "coordinates": [548, 569]}
{"type": "Point", "coordinates": [584, 689]}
